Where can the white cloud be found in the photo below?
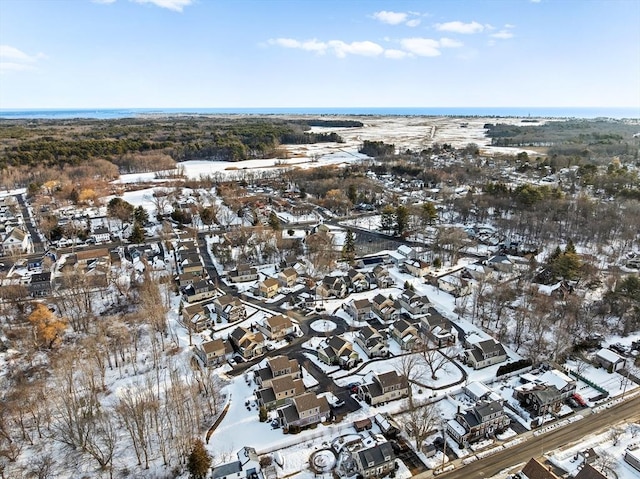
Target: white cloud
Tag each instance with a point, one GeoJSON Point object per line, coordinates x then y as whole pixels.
{"type": "Point", "coordinates": [104, 2]}
{"type": "Point", "coordinates": [502, 35]}
{"type": "Point", "coordinates": [392, 18]}
{"type": "Point", "coordinates": [413, 23]}
{"type": "Point", "coordinates": [396, 54]}
{"type": "Point", "coordinates": [460, 27]}
{"type": "Point", "coordinates": [13, 59]}
{"type": "Point", "coordinates": [337, 47]}
{"type": "Point", "coordinates": [509, 25]}
{"type": "Point", "coordinates": [175, 5]}
{"type": "Point", "coordinates": [535, 1]}
{"type": "Point", "coordinates": [449, 43]}
{"type": "Point", "coordinates": [423, 47]}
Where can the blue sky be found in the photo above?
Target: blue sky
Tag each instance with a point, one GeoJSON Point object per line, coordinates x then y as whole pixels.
{"type": "Point", "coordinates": [318, 53]}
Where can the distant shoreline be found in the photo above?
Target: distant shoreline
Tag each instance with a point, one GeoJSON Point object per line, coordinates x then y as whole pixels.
{"type": "Point", "coordinates": [459, 112]}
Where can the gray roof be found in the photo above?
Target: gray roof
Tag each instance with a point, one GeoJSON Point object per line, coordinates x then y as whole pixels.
{"type": "Point", "coordinates": [226, 469]}
{"type": "Point", "coordinates": [376, 456]}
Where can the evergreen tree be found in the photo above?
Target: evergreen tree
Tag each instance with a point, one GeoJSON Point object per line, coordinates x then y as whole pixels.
{"type": "Point", "coordinates": [262, 414]}
{"type": "Point", "coordinates": [274, 221]}
{"type": "Point", "coordinates": [199, 460]}
{"type": "Point", "coordinates": [387, 218]}
{"type": "Point", "coordinates": [140, 215]}
{"type": "Point", "coordinates": [137, 234]}
{"type": "Point", "coordinates": [402, 220]}
{"type": "Point", "coordinates": [429, 213]}
{"type": "Point", "coordinates": [349, 248]}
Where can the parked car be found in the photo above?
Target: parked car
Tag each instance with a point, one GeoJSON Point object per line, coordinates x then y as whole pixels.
{"type": "Point", "coordinates": [579, 400]}
{"type": "Point", "coordinates": [353, 385]}
{"type": "Point", "coordinates": [338, 403]}
{"type": "Point", "coordinates": [232, 362]}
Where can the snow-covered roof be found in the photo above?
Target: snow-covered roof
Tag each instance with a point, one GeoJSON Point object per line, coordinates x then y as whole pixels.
{"type": "Point", "coordinates": [609, 355]}
{"type": "Point", "coordinates": [457, 427]}
{"type": "Point", "coordinates": [477, 389]}
{"type": "Point", "coordinates": [556, 378]}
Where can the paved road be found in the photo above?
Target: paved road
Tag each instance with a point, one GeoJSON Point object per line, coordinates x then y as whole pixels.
{"type": "Point", "coordinates": [38, 246]}
{"type": "Point", "coordinates": [536, 446]}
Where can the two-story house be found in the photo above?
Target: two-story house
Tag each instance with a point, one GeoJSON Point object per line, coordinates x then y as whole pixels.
{"type": "Point", "coordinates": [304, 410]}
{"type": "Point", "coordinates": [483, 420]}
{"type": "Point", "coordinates": [387, 309]}
{"type": "Point", "coordinates": [276, 367]}
{"type": "Point", "coordinates": [280, 389]}
{"type": "Point", "coordinates": [358, 309]}
{"type": "Point", "coordinates": [40, 284]}
{"type": "Point", "coordinates": [198, 291]}
{"type": "Point", "coordinates": [213, 353]}
{"type": "Point", "coordinates": [195, 318]}
{"type": "Point", "coordinates": [332, 287]}
{"type": "Point", "coordinates": [384, 387]}
{"type": "Point", "coordinates": [436, 329]}
{"type": "Point", "coordinates": [357, 281]}
{"type": "Point", "coordinates": [373, 342]}
{"type": "Point", "coordinates": [276, 327]}
{"type": "Point", "coordinates": [288, 277]}
{"type": "Point", "coordinates": [268, 288]}
{"type": "Point", "coordinates": [375, 461]}
{"type": "Point", "coordinates": [539, 399]}
{"type": "Point", "coordinates": [247, 343]}
{"type": "Point", "coordinates": [337, 351]}
{"type": "Point", "coordinates": [191, 264]}
{"type": "Point", "coordinates": [381, 276]}
{"type": "Point", "coordinates": [414, 304]}
{"type": "Point", "coordinates": [243, 273]}
{"type": "Point", "coordinates": [417, 267]}
{"type": "Point", "coordinates": [485, 353]}
{"type": "Point", "coordinates": [229, 308]}
{"type": "Point", "coordinates": [405, 334]}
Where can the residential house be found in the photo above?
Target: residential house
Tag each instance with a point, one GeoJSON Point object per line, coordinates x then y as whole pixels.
{"type": "Point", "coordinates": [539, 399]}
{"type": "Point", "coordinates": [536, 470]}
{"type": "Point", "coordinates": [373, 342]}
{"type": "Point", "coordinates": [276, 367]}
{"type": "Point", "coordinates": [337, 351]}
{"type": "Point", "coordinates": [247, 343]}
{"type": "Point", "coordinates": [417, 267]}
{"type": "Point", "coordinates": [454, 284]}
{"type": "Point", "coordinates": [199, 291]}
{"type": "Point", "coordinates": [500, 263]}
{"type": "Point", "coordinates": [385, 308]}
{"type": "Point", "coordinates": [101, 234]}
{"type": "Point", "coordinates": [483, 420]}
{"type": "Point", "coordinates": [357, 281]}
{"type": "Point", "coordinates": [185, 279]}
{"type": "Point", "coordinates": [406, 334]}
{"type": "Point", "coordinates": [268, 288]}
{"type": "Point", "coordinates": [437, 329]}
{"type": "Point", "coordinates": [17, 241]}
{"type": "Point", "coordinates": [276, 327]}
{"type": "Point", "coordinates": [246, 467]}
{"type": "Point", "coordinates": [229, 308]}
{"type": "Point", "coordinates": [278, 391]}
{"type": "Point", "coordinates": [358, 309]}
{"type": "Point", "coordinates": [384, 387]}
{"type": "Point", "coordinates": [476, 271]}
{"type": "Point", "coordinates": [40, 284]}
{"type": "Point", "coordinates": [304, 410]}
{"type": "Point", "coordinates": [407, 252]}
{"type": "Point", "coordinates": [191, 264]}
{"type": "Point", "coordinates": [413, 303]}
{"type": "Point", "coordinates": [563, 383]}
{"type": "Point", "coordinates": [610, 360]}
{"type": "Point", "coordinates": [214, 352]}
{"type": "Point", "coordinates": [243, 273]}
{"type": "Point", "coordinates": [332, 287]}
{"type": "Point", "coordinates": [485, 353]}
{"type": "Point", "coordinates": [288, 277]}
{"type": "Point", "coordinates": [195, 318]}
{"type": "Point", "coordinates": [478, 391]}
{"type": "Point", "coordinates": [381, 276]}
{"type": "Point", "coordinates": [587, 471]}
{"type": "Point", "coordinates": [375, 461]}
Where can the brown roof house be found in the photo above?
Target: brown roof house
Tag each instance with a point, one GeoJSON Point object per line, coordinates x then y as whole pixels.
{"type": "Point", "coordinates": [229, 308]}
{"type": "Point", "coordinates": [247, 343]}
{"type": "Point", "coordinates": [213, 353]}
{"type": "Point", "coordinates": [332, 287]}
{"type": "Point", "coordinates": [276, 327]}
{"type": "Point", "coordinates": [278, 391]}
{"type": "Point", "coordinates": [195, 317]}
{"type": "Point", "coordinates": [406, 334]}
{"type": "Point", "coordinates": [288, 277]}
{"type": "Point", "coordinates": [535, 470]}
{"type": "Point", "coordinates": [268, 288]}
{"type": "Point", "coordinates": [384, 387]}
{"type": "Point", "coordinates": [358, 309]}
{"type": "Point", "coordinates": [302, 411]}
{"type": "Point", "coordinates": [277, 367]}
